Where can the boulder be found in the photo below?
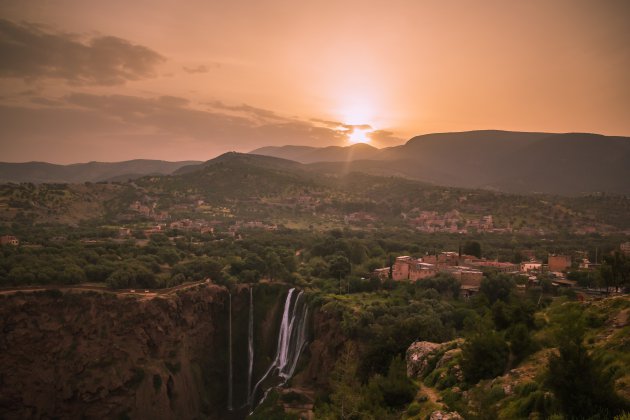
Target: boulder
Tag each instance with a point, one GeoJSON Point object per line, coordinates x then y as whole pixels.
{"type": "Point", "coordinates": [418, 357]}
{"type": "Point", "coordinates": [447, 358]}
{"type": "Point", "coordinates": [443, 415]}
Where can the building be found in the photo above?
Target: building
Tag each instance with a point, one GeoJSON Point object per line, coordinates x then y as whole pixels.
{"type": "Point", "coordinates": [467, 276]}
{"type": "Point", "coordinates": [382, 273]}
{"type": "Point", "coordinates": [528, 266]}
{"type": "Point", "coordinates": [503, 267]}
{"type": "Point", "coordinates": [9, 240]}
{"type": "Point", "coordinates": [408, 268]}
{"type": "Point", "coordinates": [559, 262]}
{"type": "Point", "coordinates": [420, 270]}
{"type": "Point", "coordinates": [400, 269]}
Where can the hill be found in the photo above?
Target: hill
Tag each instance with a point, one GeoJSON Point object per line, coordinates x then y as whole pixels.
{"type": "Point", "coordinates": [518, 162]}
{"type": "Point", "coordinates": [282, 189]}
{"type": "Point", "coordinates": [237, 176]}
{"type": "Point", "coordinates": [306, 154]}
{"type": "Point", "coordinates": [237, 186]}
{"type": "Point", "coordinates": [42, 172]}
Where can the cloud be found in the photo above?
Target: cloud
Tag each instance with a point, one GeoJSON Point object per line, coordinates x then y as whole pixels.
{"type": "Point", "coordinates": [39, 100]}
{"type": "Point", "coordinates": [260, 113]}
{"type": "Point", "coordinates": [82, 127]}
{"type": "Point", "coordinates": [31, 52]}
{"type": "Point", "coordinates": [357, 126]}
{"type": "Point", "coordinates": [341, 126]}
{"type": "Point", "coordinates": [327, 123]}
{"type": "Point", "coordinates": [201, 68]}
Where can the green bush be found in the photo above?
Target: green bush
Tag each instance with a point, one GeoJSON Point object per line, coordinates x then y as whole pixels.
{"type": "Point", "coordinates": [413, 409]}
{"type": "Point", "coordinates": [484, 356]}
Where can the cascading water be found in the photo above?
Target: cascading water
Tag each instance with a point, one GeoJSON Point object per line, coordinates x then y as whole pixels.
{"type": "Point", "coordinates": [291, 342]}
{"type": "Point", "coordinates": [250, 342]}
{"type": "Point", "coordinates": [230, 373]}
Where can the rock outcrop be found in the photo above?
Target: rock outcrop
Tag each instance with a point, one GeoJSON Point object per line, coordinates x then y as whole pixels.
{"type": "Point", "coordinates": [418, 357]}
{"type": "Point", "coordinates": [421, 356]}
{"type": "Point", "coordinates": [443, 415]}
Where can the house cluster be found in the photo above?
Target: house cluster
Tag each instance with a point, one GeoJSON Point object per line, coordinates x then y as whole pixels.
{"type": "Point", "coordinates": [432, 221]}
{"type": "Point", "coordinates": [159, 228]}
{"type": "Point", "coordinates": [9, 240]}
{"type": "Point", "coordinates": [359, 217]}
{"type": "Point", "coordinates": [149, 211]}
{"type": "Point", "coordinates": [308, 202]}
{"type": "Point", "coordinates": [469, 269]}
{"type": "Point", "coordinates": [407, 268]}
{"type": "Point", "coordinates": [452, 222]}
{"type": "Point", "coordinates": [240, 225]}
{"type": "Point", "coordinates": [201, 226]}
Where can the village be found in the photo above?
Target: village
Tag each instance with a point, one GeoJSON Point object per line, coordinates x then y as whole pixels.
{"type": "Point", "coordinates": [469, 270]}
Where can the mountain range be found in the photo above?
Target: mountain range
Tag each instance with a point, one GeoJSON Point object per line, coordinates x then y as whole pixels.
{"type": "Point", "coordinates": [39, 172]}
{"type": "Point", "coordinates": [518, 162]}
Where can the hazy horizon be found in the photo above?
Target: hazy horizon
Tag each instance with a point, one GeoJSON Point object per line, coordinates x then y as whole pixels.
{"type": "Point", "coordinates": [210, 157]}
{"type": "Point", "coordinates": [160, 80]}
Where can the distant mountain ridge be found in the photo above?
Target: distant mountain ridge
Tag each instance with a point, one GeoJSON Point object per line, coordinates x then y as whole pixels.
{"type": "Point", "coordinates": [518, 162]}
{"type": "Point", "coordinates": [42, 172]}
{"type": "Point", "coordinates": [308, 154]}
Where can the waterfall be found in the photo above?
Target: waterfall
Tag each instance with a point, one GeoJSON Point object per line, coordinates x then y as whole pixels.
{"type": "Point", "coordinates": [291, 342]}
{"type": "Point", "coordinates": [250, 341]}
{"type": "Point", "coordinates": [230, 376]}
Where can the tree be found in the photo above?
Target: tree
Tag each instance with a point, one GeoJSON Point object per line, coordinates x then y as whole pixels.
{"type": "Point", "coordinates": [472, 248]}
{"type": "Point", "coordinates": [616, 270]}
{"type": "Point", "coordinates": [396, 388]}
{"type": "Point", "coordinates": [168, 255]}
{"type": "Point", "coordinates": [346, 397]}
{"type": "Point", "coordinates": [500, 315]}
{"type": "Point", "coordinates": [520, 341]}
{"type": "Point", "coordinates": [358, 251]}
{"type": "Point", "coordinates": [131, 275]}
{"type": "Point", "coordinates": [275, 268]}
{"type": "Point", "coordinates": [580, 382]}
{"type": "Point", "coordinates": [484, 356]}
{"type": "Point", "coordinates": [339, 266]}
{"type": "Point", "coordinates": [497, 287]}
{"type": "Point", "coordinates": [72, 274]}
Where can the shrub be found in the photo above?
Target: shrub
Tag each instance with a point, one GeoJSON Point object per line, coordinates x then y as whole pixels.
{"type": "Point", "coordinates": [484, 356]}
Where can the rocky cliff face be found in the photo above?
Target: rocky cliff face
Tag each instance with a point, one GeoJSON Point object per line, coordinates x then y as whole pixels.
{"type": "Point", "coordinates": [100, 355]}
{"type": "Point", "coordinates": [326, 342]}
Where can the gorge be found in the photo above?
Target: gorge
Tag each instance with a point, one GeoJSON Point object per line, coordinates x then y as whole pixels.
{"type": "Point", "coordinates": [204, 352]}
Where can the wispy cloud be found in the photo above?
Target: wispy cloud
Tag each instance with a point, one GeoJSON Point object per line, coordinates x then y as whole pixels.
{"type": "Point", "coordinates": [201, 68]}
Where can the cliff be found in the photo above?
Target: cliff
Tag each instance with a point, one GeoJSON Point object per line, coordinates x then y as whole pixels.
{"type": "Point", "coordinates": [86, 354]}
{"type": "Point", "coordinates": [102, 355]}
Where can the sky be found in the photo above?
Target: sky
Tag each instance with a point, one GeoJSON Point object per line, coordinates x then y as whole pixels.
{"type": "Point", "coordinates": [179, 80]}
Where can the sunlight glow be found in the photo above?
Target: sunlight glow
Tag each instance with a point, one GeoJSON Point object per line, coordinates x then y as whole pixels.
{"type": "Point", "coordinates": [358, 136]}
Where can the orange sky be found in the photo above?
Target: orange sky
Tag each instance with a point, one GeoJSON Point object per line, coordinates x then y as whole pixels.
{"type": "Point", "coordinates": [87, 80]}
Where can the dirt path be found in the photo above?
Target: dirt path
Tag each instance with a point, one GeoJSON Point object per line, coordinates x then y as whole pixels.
{"type": "Point", "coordinates": [431, 394]}
{"type": "Point", "coordinates": [103, 289]}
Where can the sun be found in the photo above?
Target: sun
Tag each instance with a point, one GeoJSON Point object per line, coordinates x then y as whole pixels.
{"type": "Point", "coordinates": [358, 136]}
